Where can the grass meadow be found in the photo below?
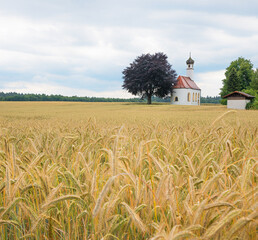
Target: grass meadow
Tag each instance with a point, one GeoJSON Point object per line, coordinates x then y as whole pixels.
{"type": "Point", "coordinates": [127, 171]}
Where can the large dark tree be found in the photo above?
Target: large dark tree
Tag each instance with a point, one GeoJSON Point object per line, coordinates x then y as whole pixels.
{"type": "Point", "coordinates": [149, 75]}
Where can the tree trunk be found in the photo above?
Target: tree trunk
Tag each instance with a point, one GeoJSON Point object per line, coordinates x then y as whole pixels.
{"type": "Point", "coordinates": [149, 99]}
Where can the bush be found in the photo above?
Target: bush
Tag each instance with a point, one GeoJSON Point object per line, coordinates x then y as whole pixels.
{"type": "Point", "coordinates": [254, 102]}
{"type": "Point", "coordinates": [223, 101]}
{"type": "Point", "coordinates": [248, 105]}
{"type": "Point", "coordinates": [252, 105]}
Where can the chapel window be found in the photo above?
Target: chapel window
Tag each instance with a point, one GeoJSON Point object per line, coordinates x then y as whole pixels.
{"type": "Point", "coordinates": [188, 97]}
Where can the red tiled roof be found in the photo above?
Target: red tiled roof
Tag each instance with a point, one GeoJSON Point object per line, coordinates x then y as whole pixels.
{"type": "Point", "coordinates": [186, 82]}
{"type": "Point", "coordinates": [240, 93]}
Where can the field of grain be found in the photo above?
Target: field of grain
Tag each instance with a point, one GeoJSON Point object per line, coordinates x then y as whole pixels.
{"type": "Point", "coordinates": [127, 171]}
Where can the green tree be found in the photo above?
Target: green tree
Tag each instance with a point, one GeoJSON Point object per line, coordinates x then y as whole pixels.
{"type": "Point", "coordinates": [233, 83]}
{"type": "Point", "coordinates": [244, 70]}
{"type": "Point", "coordinates": [224, 89]}
{"type": "Point", "coordinates": [254, 82]}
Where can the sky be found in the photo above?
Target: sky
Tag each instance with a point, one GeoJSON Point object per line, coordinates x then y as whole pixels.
{"type": "Point", "coordinates": [80, 47]}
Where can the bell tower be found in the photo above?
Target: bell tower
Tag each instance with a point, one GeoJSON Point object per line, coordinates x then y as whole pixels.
{"type": "Point", "coordinates": [190, 68]}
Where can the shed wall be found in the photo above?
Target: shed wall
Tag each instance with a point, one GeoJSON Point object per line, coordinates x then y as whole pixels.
{"type": "Point", "coordinates": [237, 104]}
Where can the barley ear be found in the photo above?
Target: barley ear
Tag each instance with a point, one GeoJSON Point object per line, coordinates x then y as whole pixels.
{"type": "Point", "coordinates": [215, 228]}
{"type": "Point", "coordinates": [135, 217]}
{"type": "Point", "coordinates": [102, 196]}
{"type": "Point", "coordinates": [241, 223]}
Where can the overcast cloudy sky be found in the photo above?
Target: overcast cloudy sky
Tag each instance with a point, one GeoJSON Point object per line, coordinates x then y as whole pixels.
{"type": "Point", "coordinates": [80, 47]}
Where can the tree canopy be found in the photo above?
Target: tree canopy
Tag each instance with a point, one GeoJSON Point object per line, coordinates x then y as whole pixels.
{"type": "Point", "coordinates": [149, 75]}
{"type": "Point", "coordinates": [233, 81]}
{"type": "Point", "coordinates": [242, 69]}
{"type": "Point", "coordinates": [254, 82]}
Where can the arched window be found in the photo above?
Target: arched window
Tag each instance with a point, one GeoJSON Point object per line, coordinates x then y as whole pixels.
{"type": "Point", "coordinates": [176, 99]}
{"type": "Point", "coordinates": [195, 97]}
{"type": "Point", "coordinates": [198, 98]}
{"type": "Point", "coordinates": [188, 97]}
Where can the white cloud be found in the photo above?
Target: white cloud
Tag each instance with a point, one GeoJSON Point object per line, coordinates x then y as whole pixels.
{"type": "Point", "coordinates": [86, 45]}
{"type": "Point", "coordinates": [210, 82]}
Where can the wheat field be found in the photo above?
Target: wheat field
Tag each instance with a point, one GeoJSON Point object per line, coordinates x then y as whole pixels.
{"type": "Point", "coordinates": [127, 171]}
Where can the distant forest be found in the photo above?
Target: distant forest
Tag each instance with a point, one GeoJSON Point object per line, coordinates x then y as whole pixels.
{"type": "Point", "coordinates": [12, 96]}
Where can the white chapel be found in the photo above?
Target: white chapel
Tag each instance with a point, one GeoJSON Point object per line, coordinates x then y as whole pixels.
{"type": "Point", "coordinates": [185, 91]}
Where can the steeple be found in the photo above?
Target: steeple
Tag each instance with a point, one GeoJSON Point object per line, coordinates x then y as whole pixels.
{"type": "Point", "coordinates": [190, 68]}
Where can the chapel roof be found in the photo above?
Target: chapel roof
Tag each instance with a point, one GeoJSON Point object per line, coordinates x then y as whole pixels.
{"type": "Point", "coordinates": [237, 93]}
{"type": "Point", "coordinates": [186, 82]}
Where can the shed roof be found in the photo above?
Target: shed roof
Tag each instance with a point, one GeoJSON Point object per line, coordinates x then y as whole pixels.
{"type": "Point", "coordinates": [186, 82]}
{"type": "Point", "coordinates": [237, 93]}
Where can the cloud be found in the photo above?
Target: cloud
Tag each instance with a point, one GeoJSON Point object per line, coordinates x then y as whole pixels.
{"type": "Point", "coordinates": [87, 44]}
{"type": "Point", "coordinates": [210, 82]}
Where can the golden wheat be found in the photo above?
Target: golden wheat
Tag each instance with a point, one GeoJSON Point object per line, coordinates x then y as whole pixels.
{"type": "Point", "coordinates": [76, 171]}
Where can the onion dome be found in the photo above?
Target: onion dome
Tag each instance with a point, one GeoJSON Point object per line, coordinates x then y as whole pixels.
{"type": "Point", "coordinates": [190, 61]}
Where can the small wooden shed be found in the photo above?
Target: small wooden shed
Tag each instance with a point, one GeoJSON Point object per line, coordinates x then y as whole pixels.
{"type": "Point", "coordinates": [238, 100]}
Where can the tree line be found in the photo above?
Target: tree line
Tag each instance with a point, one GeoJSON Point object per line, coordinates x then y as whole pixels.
{"type": "Point", "coordinates": [13, 96]}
